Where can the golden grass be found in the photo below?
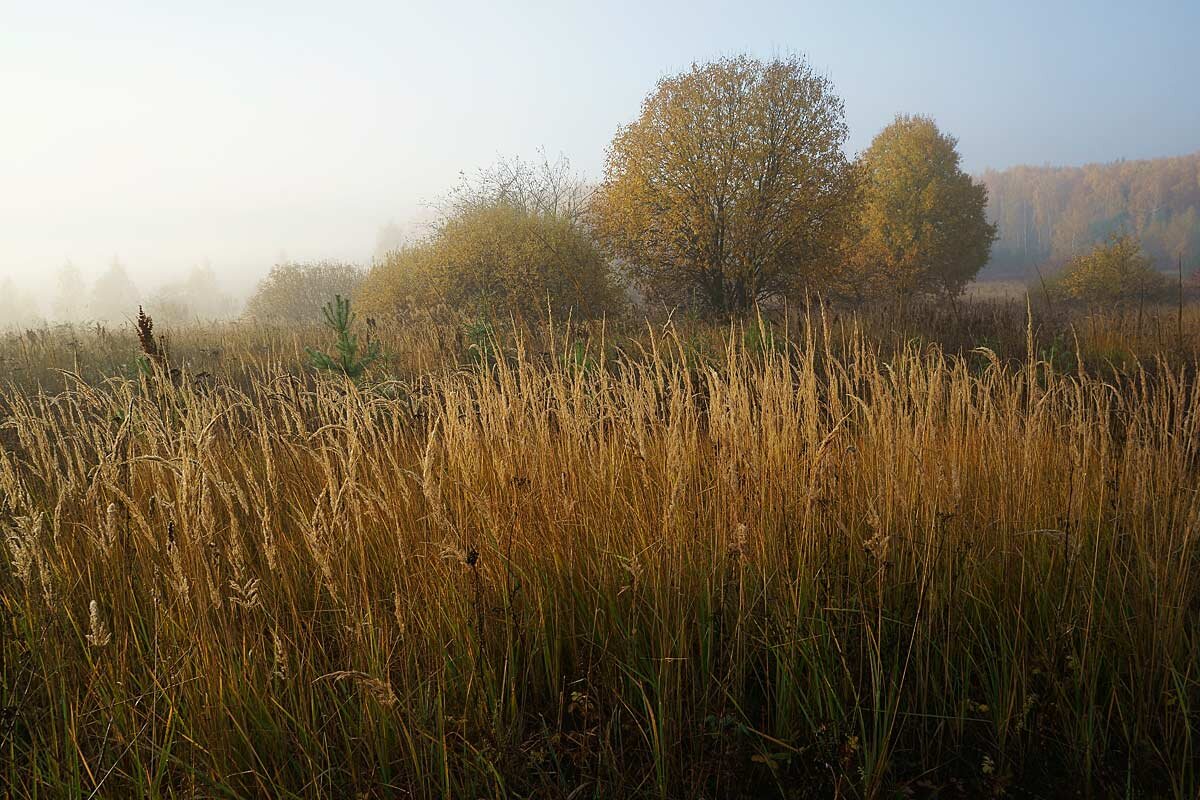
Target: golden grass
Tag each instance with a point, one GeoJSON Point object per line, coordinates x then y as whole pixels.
{"type": "Point", "coordinates": [825, 568]}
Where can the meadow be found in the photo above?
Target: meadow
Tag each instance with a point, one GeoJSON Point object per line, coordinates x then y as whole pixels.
{"type": "Point", "coordinates": [947, 551]}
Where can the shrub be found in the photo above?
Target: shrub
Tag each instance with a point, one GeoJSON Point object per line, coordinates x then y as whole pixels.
{"type": "Point", "coordinates": [198, 297]}
{"type": "Point", "coordinates": [1115, 273]}
{"type": "Point", "coordinates": [297, 292]}
{"type": "Point", "coordinates": [501, 258]}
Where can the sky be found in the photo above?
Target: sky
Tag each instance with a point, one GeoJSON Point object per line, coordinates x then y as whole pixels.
{"type": "Point", "coordinates": [169, 134]}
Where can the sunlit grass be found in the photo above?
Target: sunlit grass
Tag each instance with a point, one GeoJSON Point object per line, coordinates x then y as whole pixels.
{"type": "Point", "coordinates": [694, 561]}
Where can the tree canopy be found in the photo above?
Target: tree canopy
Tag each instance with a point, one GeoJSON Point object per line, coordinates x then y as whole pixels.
{"type": "Point", "coordinates": [1050, 214]}
{"type": "Point", "coordinates": [114, 296]}
{"type": "Point", "coordinates": [731, 187]}
{"type": "Point", "coordinates": [197, 297]}
{"type": "Point", "coordinates": [498, 258]}
{"type": "Point", "coordinates": [297, 292]}
{"type": "Point", "coordinates": [920, 224]}
{"type": "Point", "coordinates": [17, 307]}
{"type": "Point", "coordinates": [70, 294]}
{"type": "Point", "coordinates": [512, 239]}
{"type": "Point", "coordinates": [1114, 273]}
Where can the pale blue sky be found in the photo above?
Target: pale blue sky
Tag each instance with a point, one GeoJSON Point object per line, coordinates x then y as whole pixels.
{"type": "Point", "coordinates": [167, 133]}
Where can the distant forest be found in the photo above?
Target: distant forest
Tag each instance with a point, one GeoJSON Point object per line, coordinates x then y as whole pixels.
{"type": "Point", "coordinates": [1048, 214]}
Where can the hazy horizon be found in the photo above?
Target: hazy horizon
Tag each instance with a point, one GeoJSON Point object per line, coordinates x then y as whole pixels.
{"type": "Point", "coordinates": [168, 137]}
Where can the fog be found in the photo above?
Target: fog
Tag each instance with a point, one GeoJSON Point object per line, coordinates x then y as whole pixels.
{"type": "Point", "coordinates": [193, 147]}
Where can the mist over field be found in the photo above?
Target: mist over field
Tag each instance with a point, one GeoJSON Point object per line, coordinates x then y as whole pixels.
{"type": "Point", "coordinates": [669, 401]}
{"type": "Point", "coordinates": [197, 150]}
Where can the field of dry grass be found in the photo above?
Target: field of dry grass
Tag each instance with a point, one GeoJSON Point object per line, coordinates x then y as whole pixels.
{"type": "Point", "coordinates": [829, 557]}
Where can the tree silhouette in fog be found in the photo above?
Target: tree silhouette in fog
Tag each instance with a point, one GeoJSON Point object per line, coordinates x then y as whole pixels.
{"type": "Point", "coordinates": [114, 295]}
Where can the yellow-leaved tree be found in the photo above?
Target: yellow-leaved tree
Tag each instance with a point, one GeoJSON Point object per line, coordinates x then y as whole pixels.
{"type": "Point", "coordinates": [731, 187]}
{"type": "Point", "coordinates": [511, 241]}
{"type": "Point", "coordinates": [1113, 274]}
{"type": "Point", "coordinates": [921, 224]}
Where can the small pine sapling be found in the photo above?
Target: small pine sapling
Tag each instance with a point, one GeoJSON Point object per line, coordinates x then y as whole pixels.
{"type": "Point", "coordinates": [348, 360]}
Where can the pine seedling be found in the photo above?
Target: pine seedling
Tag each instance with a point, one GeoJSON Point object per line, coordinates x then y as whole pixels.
{"type": "Point", "coordinates": [347, 359]}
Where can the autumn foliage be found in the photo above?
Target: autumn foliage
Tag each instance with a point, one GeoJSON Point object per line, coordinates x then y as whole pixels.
{"type": "Point", "coordinates": [731, 187]}
{"type": "Point", "coordinates": [497, 258]}
{"type": "Point", "coordinates": [919, 223]}
{"type": "Point", "coordinates": [296, 292]}
{"type": "Point", "coordinates": [1051, 214]}
{"type": "Point", "coordinates": [1115, 273]}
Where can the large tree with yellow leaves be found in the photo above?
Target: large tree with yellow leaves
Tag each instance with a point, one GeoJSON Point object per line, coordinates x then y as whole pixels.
{"type": "Point", "coordinates": [731, 187]}
{"type": "Point", "coordinates": [921, 223]}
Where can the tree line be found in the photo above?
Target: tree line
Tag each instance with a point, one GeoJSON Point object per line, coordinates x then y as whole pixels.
{"type": "Point", "coordinates": [731, 189]}
{"type": "Point", "coordinates": [113, 296]}
{"type": "Point", "coordinates": [1047, 215]}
